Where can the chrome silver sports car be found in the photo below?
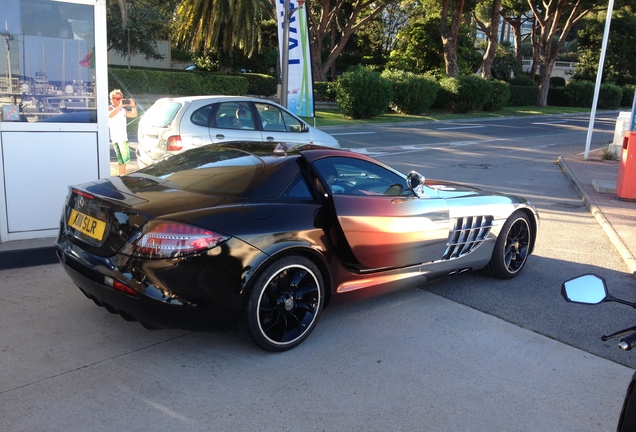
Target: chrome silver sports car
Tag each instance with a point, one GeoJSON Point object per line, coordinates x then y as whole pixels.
{"type": "Point", "coordinates": [259, 236]}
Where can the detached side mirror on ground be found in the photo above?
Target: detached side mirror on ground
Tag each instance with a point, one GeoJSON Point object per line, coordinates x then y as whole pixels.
{"type": "Point", "coordinates": [586, 289]}
{"type": "Point", "coordinates": [592, 289]}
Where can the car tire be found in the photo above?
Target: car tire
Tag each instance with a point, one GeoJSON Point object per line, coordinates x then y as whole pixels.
{"type": "Point", "coordinates": [512, 247]}
{"type": "Point", "coordinates": [283, 305]}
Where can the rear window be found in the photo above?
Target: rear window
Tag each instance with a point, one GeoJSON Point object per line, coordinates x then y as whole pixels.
{"type": "Point", "coordinates": [161, 114]}
{"type": "Point", "coordinates": [209, 170]}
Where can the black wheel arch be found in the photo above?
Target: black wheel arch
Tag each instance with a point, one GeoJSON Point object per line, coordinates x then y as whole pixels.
{"type": "Point", "coordinates": [256, 268]}
{"type": "Point", "coordinates": [534, 225]}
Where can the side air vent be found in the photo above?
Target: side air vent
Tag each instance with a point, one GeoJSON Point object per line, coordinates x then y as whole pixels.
{"type": "Point", "coordinates": [466, 236]}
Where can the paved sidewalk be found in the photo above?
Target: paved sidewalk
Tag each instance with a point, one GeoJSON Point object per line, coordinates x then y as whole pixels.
{"type": "Point", "coordinates": [595, 180]}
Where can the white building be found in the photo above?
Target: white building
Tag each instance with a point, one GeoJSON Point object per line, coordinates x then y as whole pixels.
{"type": "Point", "coordinates": [54, 99]}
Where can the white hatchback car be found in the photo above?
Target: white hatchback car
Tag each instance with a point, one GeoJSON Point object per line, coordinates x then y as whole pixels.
{"type": "Point", "coordinates": [173, 125]}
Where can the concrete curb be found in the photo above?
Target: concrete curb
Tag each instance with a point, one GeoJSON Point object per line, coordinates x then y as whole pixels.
{"type": "Point", "coordinates": [618, 243]}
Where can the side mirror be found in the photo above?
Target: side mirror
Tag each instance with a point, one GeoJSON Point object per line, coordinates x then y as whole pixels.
{"type": "Point", "coordinates": [586, 289]}
{"type": "Point", "coordinates": [414, 179]}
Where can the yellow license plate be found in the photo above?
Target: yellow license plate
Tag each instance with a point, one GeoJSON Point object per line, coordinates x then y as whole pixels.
{"type": "Point", "coordinates": [86, 224]}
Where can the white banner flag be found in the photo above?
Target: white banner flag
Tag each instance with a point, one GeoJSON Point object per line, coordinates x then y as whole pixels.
{"type": "Point", "coordinates": [300, 93]}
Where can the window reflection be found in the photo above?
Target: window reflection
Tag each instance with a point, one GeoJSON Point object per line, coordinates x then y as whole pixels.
{"type": "Point", "coordinates": [47, 70]}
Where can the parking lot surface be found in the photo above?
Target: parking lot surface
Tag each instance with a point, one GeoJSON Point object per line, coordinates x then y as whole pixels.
{"type": "Point", "coordinates": [404, 360]}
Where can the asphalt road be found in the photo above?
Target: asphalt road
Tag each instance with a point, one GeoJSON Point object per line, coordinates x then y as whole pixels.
{"type": "Point", "coordinates": [517, 156]}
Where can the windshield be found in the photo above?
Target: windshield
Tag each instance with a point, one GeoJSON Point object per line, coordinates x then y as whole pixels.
{"type": "Point", "coordinates": [209, 170]}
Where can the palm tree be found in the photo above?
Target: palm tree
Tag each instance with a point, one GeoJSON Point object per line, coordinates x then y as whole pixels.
{"type": "Point", "coordinates": [219, 25]}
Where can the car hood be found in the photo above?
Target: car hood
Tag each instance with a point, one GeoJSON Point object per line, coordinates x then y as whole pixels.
{"type": "Point", "coordinates": [449, 190]}
{"type": "Point", "coordinates": [319, 137]}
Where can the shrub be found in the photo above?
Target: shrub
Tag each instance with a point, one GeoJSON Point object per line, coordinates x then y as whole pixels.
{"type": "Point", "coordinates": [523, 95]}
{"type": "Point", "coordinates": [412, 94]}
{"type": "Point", "coordinates": [466, 93]}
{"type": "Point", "coordinates": [609, 96]}
{"type": "Point", "coordinates": [523, 81]}
{"type": "Point", "coordinates": [557, 96]}
{"type": "Point", "coordinates": [557, 82]}
{"type": "Point", "coordinates": [499, 95]}
{"type": "Point", "coordinates": [362, 93]}
{"type": "Point", "coordinates": [580, 93]}
{"type": "Point", "coordinates": [628, 96]}
{"type": "Point", "coordinates": [325, 90]}
{"type": "Point", "coordinates": [260, 84]}
{"type": "Point", "coordinates": [175, 83]}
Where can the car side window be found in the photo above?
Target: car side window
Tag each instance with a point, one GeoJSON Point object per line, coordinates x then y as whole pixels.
{"type": "Point", "coordinates": [201, 117]}
{"type": "Point", "coordinates": [234, 115]}
{"type": "Point", "coordinates": [298, 190]}
{"type": "Point", "coordinates": [271, 117]}
{"type": "Point", "coordinates": [292, 124]}
{"type": "Point", "coordinates": [347, 176]}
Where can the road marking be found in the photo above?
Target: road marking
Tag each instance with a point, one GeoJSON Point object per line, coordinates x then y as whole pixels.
{"type": "Point", "coordinates": [550, 123]}
{"type": "Point", "coordinates": [461, 127]}
{"type": "Point", "coordinates": [352, 133]}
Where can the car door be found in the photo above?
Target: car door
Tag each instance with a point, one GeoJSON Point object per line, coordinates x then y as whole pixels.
{"type": "Point", "coordinates": [280, 125]}
{"type": "Point", "coordinates": [384, 223]}
{"type": "Point", "coordinates": [234, 121]}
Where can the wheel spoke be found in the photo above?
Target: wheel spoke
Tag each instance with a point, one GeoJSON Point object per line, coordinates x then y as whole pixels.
{"type": "Point", "coordinates": [516, 248]}
{"type": "Point", "coordinates": [281, 321]}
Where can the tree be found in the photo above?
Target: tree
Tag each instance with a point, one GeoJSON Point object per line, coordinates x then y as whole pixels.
{"type": "Point", "coordinates": [488, 10]}
{"type": "Point", "coordinates": [334, 23]}
{"type": "Point", "coordinates": [419, 47]}
{"type": "Point", "coordinates": [133, 28]}
{"type": "Point", "coordinates": [219, 25]}
{"type": "Point", "coordinates": [555, 20]}
{"type": "Point", "coordinates": [449, 32]}
{"type": "Point", "coordinates": [516, 13]}
{"type": "Point", "coordinates": [620, 63]}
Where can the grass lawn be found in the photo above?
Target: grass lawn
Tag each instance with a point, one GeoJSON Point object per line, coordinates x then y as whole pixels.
{"type": "Point", "coordinates": [335, 118]}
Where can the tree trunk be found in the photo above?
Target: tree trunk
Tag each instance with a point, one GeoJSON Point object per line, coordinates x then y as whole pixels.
{"type": "Point", "coordinates": [492, 33]}
{"type": "Point", "coordinates": [544, 82]}
{"type": "Point", "coordinates": [328, 24]}
{"type": "Point", "coordinates": [449, 36]}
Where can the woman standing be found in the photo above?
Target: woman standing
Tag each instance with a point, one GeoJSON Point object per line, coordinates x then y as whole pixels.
{"type": "Point", "coordinates": [117, 114]}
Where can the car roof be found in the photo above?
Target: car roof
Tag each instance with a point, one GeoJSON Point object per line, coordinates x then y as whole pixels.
{"type": "Point", "coordinates": [214, 98]}
{"type": "Point", "coordinates": [278, 148]}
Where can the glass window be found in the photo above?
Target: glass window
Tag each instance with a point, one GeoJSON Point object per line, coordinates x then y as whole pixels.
{"type": "Point", "coordinates": [358, 177]}
{"type": "Point", "coordinates": [207, 169]}
{"type": "Point", "coordinates": [234, 115]}
{"type": "Point", "coordinates": [298, 190]}
{"type": "Point", "coordinates": [161, 113]}
{"type": "Point", "coordinates": [271, 117]}
{"type": "Point", "coordinates": [47, 70]}
{"type": "Point", "coordinates": [201, 117]}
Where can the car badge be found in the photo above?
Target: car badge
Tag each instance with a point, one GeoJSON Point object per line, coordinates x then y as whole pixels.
{"type": "Point", "coordinates": [80, 201]}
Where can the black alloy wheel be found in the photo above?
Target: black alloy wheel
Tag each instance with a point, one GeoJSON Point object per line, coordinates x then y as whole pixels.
{"type": "Point", "coordinates": [284, 304]}
{"type": "Point", "coordinates": [512, 247]}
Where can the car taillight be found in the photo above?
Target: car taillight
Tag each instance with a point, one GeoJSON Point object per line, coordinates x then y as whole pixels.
{"type": "Point", "coordinates": [174, 143]}
{"type": "Point", "coordinates": [163, 239]}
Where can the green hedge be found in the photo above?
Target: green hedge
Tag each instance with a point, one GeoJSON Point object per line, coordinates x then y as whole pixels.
{"type": "Point", "coordinates": [580, 93]}
{"type": "Point", "coordinates": [260, 84]}
{"type": "Point", "coordinates": [609, 96]}
{"type": "Point", "coordinates": [177, 83]}
{"type": "Point", "coordinates": [363, 93]}
{"type": "Point", "coordinates": [499, 95]}
{"type": "Point", "coordinates": [521, 95]}
{"type": "Point", "coordinates": [325, 91]}
{"type": "Point", "coordinates": [558, 97]}
{"type": "Point", "coordinates": [412, 94]}
{"type": "Point", "coordinates": [628, 96]}
{"type": "Point", "coordinates": [463, 94]}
